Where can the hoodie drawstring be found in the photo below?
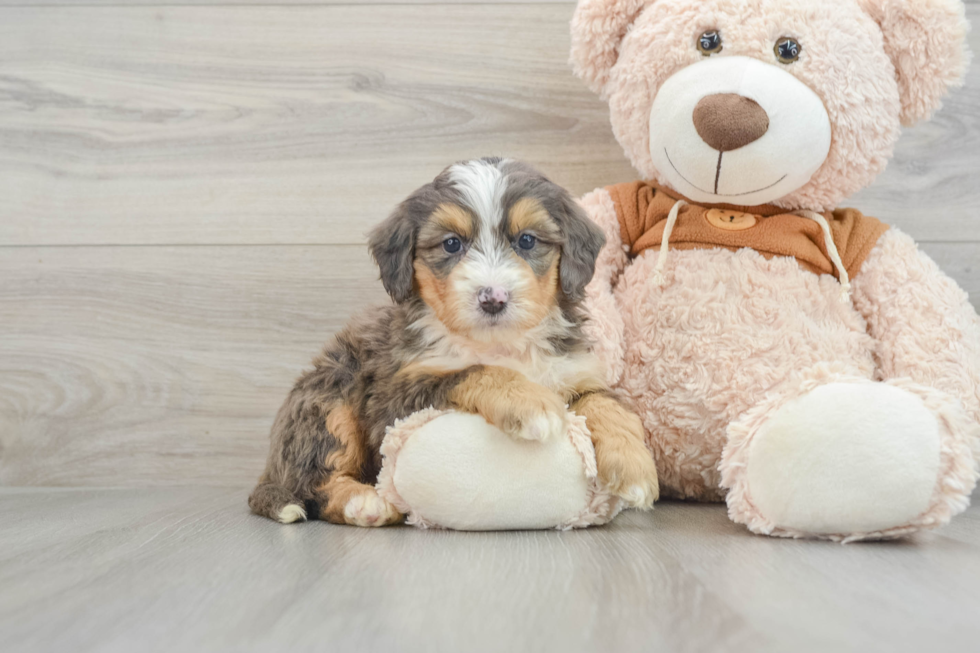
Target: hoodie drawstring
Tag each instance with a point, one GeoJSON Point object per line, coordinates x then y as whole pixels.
{"type": "Point", "coordinates": [659, 276]}
{"type": "Point", "coordinates": [828, 239]}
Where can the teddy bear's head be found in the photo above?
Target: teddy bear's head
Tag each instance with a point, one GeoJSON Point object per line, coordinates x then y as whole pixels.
{"type": "Point", "coordinates": [791, 102]}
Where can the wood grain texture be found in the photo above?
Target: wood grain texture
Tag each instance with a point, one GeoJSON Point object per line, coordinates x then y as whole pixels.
{"type": "Point", "coordinates": [142, 366]}
{"type": "Point", "coordinates": [295, 124]}
{"type": "Point", "coordinates": [188, 569]}
{"type": "Point", "coordinates": [134, 366]}
{"type": "Point", "coordinates": [274, 125]}
{"type": "Point", "coordinates": [202, 3]}
{"type": "Point", "coordinates": [209, 3]}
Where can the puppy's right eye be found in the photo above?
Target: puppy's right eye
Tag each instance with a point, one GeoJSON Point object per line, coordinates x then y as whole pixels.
{"type": "Point", "coordinates": [452, 244]}
{"type": "Point", "coordinates": [709, 43]}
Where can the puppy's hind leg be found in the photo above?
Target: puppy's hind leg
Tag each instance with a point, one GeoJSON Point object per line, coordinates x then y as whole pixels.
{"type": "Point", "coordinates": [276, 502]}
{"type": "Point", "coordinates": [342, 496]}
{"type": "Point", "coordinates": [344, 500]}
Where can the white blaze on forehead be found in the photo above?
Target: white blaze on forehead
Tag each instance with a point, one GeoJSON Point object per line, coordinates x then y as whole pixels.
{"type": "Point", "coordinates": [482, 185]}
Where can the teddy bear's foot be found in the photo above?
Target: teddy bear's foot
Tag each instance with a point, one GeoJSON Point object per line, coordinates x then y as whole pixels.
{"type": "Point", "coordinates": [851, 460]}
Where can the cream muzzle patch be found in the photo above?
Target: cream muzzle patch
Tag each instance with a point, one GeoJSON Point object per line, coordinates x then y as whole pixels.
{"type": "Point", "coordinates": [735, 129]}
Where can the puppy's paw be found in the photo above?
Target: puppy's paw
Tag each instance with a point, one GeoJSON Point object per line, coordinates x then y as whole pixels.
{"type": "Point", "coordinates": [535, 413]}
{"type": "Point", "coordinates": [544, 426]}
{"type": "Point", "coordinates": [366, 508]}
{"type": "Point", "coordinates": [628, 471]}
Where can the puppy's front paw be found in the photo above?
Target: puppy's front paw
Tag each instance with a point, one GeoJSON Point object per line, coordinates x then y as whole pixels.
{"type": "Point", "coordinates": [628, 471]}
{"type": "Point", "coordinates": [544, 425]}
{"type": "Point", "coordinates": [535, 413]}
{"type": "Point", "coordinates": [366, 508]}
{"type": "Point", "coordinates": [512, 403]}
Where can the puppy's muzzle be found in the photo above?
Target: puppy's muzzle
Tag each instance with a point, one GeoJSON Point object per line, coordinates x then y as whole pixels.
{"type": "Point", "coordinates": [493, 300]}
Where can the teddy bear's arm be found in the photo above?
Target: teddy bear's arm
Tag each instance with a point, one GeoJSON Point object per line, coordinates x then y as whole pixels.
{"type": "Point", "coordinates": [605, 326]}
{"type": "Point", "coordinates": [924, 323]}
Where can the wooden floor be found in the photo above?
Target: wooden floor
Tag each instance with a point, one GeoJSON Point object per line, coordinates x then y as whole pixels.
{"type": "Point", "coordinates": [184, 193]}
{"type": "Point", "coordinates": [188, 569]}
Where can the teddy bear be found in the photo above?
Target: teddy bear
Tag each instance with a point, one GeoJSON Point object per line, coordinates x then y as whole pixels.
{"type": "Point", "coordinates": [804, 363]}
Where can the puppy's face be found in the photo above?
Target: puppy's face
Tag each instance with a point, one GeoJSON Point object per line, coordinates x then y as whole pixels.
{"type": "Point", "coordinates": [491, 246]}
{"type": "Point", "coordinates": [488, 258]}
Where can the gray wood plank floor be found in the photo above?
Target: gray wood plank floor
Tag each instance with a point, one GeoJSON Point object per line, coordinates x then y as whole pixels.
{"type": "Point", "coordinates": [187, 569]}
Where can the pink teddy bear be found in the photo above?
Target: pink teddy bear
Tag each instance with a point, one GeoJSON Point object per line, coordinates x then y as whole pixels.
{"type": "Point", "coordinates": [807, 364]}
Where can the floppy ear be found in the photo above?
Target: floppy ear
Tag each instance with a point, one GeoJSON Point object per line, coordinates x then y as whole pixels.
{"type": "Point", "coordinates": [583, 242]}
{"type": "Point", "coordinates": [392, 245]}
{"type": "Point", "coordinates": [598, 27]}
{"type": "Point", "coordinates": [926, 41]}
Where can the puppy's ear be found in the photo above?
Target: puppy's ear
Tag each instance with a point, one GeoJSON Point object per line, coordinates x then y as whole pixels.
{"type": "Point", "coordinates": [926, 41]}
{"type": "Point", "coordinates": [583, 242]}
{"type": "Point", "coordinates": [392, 245]}
{"type": "Point", "coordinates": [598, 27]}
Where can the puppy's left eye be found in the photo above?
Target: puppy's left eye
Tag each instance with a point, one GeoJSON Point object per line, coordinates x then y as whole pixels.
{"type": "Point", "coordinates": [787, 50]}
{"type": "Point", "coordinates": [452, 244]}
{"type": "Point", "coordinates": [526, 241]}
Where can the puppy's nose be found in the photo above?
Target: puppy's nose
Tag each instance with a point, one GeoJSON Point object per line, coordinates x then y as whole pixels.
{"type": "Point", "coordinates": [493, 300]}
{"type": "Point", "coordinates": [727, 121]}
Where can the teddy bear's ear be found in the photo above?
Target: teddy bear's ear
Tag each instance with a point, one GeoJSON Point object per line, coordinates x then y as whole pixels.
{"type": "Point", "coordinates": [926, 41]}
{"type": "Point", "coordinates": [598, 26]}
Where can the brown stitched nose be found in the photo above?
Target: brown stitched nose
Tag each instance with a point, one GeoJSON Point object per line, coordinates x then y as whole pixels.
{"type": "Point", "coordinates": [727, 121]}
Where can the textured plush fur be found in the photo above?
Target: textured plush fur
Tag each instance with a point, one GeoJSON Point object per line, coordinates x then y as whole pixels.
{"type": "Point", "coordinates": [712, 348]}
{"type": "Point", "coordinates": [487, 267]}
{"type": "Point", "coordinates": [730, 336]}
{"type": "Point", "coordinates": [876, 64]}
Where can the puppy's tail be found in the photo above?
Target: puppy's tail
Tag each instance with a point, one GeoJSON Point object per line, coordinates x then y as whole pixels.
{"type": "Point", "coordinates": [276, 502]}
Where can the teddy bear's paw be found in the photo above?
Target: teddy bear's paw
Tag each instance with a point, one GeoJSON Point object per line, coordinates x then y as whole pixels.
{"type": "Point", "coordinates": [630, 474]}
{"type": "Point", "coordinates": [368, 509]}
{"type": "Point", "coordinates": [849, 458]}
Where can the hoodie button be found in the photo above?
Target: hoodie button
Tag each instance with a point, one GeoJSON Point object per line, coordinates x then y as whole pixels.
{"type": "Point", "coordinates": [731, 220]}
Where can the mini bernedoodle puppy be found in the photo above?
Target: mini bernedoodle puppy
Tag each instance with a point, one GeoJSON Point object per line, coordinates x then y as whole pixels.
{"type": "Point", "coordinates": [487, 266]}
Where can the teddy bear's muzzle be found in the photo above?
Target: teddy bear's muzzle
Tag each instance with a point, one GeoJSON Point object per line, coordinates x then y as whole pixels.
{"type": "Point", "coordinates": [737, 129]}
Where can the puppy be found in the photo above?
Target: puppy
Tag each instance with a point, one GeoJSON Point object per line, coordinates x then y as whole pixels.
{"type": "Point", "coordinates": [487, 266]}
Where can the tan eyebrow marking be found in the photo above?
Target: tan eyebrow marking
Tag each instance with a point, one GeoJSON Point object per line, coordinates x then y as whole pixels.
{"type": "Point", "coordinates": [527, 213]}
{"type": "Point", "coordinates": [454, 218]}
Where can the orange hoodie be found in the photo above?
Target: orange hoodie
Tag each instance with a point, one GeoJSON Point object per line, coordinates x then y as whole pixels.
{"type": "Point", "coordinates": [642, 209]}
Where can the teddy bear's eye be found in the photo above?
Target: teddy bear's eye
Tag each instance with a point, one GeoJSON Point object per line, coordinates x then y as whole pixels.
{"type": "Point", "coordinates": [709, 43]}
{"type": "Point", "coordinates": [787, 50]}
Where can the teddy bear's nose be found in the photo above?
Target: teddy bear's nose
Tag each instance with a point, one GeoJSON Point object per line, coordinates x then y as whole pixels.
{"type": "Point", "coordinates": [727, 121]}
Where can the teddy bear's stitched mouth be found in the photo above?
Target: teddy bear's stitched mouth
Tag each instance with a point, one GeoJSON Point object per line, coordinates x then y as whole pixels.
{"type": "Point", "coordinates": [758, 190]}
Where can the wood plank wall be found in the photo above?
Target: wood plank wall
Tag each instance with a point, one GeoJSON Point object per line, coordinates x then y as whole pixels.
{"type": "Point", "coordinates": [185, 189]}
